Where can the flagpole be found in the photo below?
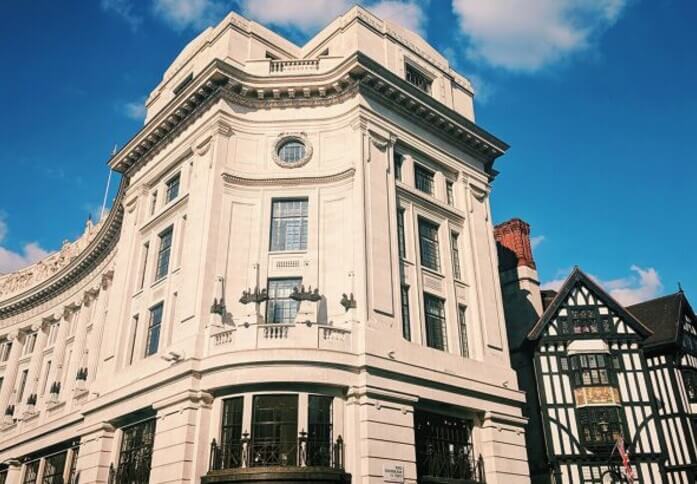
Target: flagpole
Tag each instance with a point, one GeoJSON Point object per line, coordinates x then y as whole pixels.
{"type": "Point", "coordinates": [106, 192]}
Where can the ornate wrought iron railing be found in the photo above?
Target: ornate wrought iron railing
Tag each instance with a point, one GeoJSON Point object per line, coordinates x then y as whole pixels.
{"type": "Point", "coordinates": [302, 452]}
{"type": "Point", "coordinates": [131, 472]}
{"type": "Point", "coordinates": [452, 463]}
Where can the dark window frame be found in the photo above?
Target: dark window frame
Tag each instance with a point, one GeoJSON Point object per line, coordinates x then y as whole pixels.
{"type": "Point", "coordinates": [398, 161]}
{"type": "Point", "coordinates": [172, 187]}
{"type": "Point", "coordinates": [429, 246]}
{"type": "Point", "coordinates": [436, 322]}
{"type": "Point", "coordinates": [424, 179]}
{"type": "Point", "coordinates": [592, 370]}
{"type": "Point", "coordinates": [689, 376]}
{"type": "Point", "coordinates": [54, 474]}
{"type": "Point", "coordinates": [135, 452]}
{"type": "Point", "coordinates": [320, 430]}
{"type": "Point", "coordinates": [281, 224]}
{"type": "Point", "coordinates": [462, 325]}
{"type": "Point", "coordinates": [597, 431]}
{"type": "Point", "coordinates": [401, 235]}
{"type": "Point", "coordinates": [284, 303]}
{"type": "Point", "coordinates": [406, 316]}
{"type": "Point", "coordinates": [153, 336]}
{"type": "Point", "coordinates": [417, 78]}
{"type": "Point", "coordinates": [455, 254]}
{"type": "Point", "coordinates": [275, 436]}
{"type": "Point", "coordinates": [164, 253]}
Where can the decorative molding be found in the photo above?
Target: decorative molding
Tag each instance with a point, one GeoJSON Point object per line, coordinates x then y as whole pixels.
{"type": "Point", "coordinates": [302, 180]}
{"type": "Point", "coordinates": [283, 138]}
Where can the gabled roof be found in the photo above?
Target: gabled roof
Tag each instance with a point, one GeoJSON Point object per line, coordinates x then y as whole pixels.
{"type": "Point", "coordinates": [576, 276]}
{"type": "Point", "coordinates": [663, 316]}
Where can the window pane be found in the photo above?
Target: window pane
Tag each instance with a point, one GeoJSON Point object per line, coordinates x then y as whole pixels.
{"type": "Point", "coordinates": [400, 234]}
{"type": "Point", "coordinates": [449, 193]}
{"type": "Point", "coordinates": [231, 433]}
{"type": "Point", "coordinates": [172, 188]}
{"type": "Point", "coordinates": [274, 430]}
{"type": "Point", "coordinates": [54, 468]}
{"type": "Point", "coordinates": [31, 472]}
{"type": "Point", "coordinates": [428, 242]}
{"type": "Point", "coordinates": [153, 339]}
{"type": "Point", "coordinates": [406, 320]}
{"type": "Point", "coordinates": [163, 255]}
{"type": "Point", "coordinates": [136, 453]}
{"type": "Point", "coordinates": [289, 225]}
{"type": "Point", "coordinates": [462, 321]}
{"type": "Point", "coordinates": [423, 179]}
{"type": "Point", "coordinates": [398, 161]}
{"type": "Point", "coordinates": [319, 435]}
{"type": "Point", "coordinates": [280, 308]}
{"type": "Point", "coordinates": [454, 244]}
{"type": "Point", "coordinates": [435, 322]}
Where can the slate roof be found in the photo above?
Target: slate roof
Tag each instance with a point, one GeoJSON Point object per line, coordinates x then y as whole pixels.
{"type": "Point", "coordinates": [663, 315]}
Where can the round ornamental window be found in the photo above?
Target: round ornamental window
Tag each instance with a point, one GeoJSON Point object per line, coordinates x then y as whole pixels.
{"type": "Point", "coordinates": [292, 150]}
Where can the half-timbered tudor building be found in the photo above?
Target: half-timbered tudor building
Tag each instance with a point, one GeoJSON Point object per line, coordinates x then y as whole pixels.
{"type": "Point", "coordinates": [671, 355]}
{"type": "Point", "coordinates": [596, 373]}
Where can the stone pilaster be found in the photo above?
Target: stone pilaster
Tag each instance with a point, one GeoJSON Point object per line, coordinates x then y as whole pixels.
{"type": "Point", "coordinates": [59, 350]}
{"type": "Point", "coordinates": [98, 327]}
{"type": "Point", "coordinates": [502, 446]}
{"type": "Point", "coordinates": [36, 359]}
{"type": "Point", "coordinates": [86, 312]}
{"type": "Point", "coordinates": [96, 445]}
{"type": "Point", "coordinates": [180, 449]}
{"type": "Point", "coordinates": [14, 472]}
{"type": "Point", "coordinates": [10, 376]}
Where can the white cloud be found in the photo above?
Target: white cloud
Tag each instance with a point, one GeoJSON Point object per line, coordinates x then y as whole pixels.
{"type": "Point", "coordinates": [135, 110]}
{"type": "Point", "coordinates": [124, 9]}
{"type": "Point", "coordinates": [182, 14]}
{"type": "Point", "coordinates": [640, 285]}
{"type": "Point", "coordinates": [407, 14]}
{"type": "Point", "coordinates": [309, 16]}
{"type": "Point", "coordinates": [10, 261]}
{"type": "Point", "coordinates": [527, 35]}
{"type": "Point", "coordinates": [536, 241]}
{"type": "Point", "coordinates": [304, 15]}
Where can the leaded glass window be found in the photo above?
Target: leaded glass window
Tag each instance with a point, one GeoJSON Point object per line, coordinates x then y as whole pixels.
{"type": "Point", "coordinates": [435, 322]}
{"type": "Point", "coordinates": [152, 342]}
{"type": "Point", "coordinates": [280, 308]}
{"type": "Point", "coordinates": [690, 379]}
{"type": "Point", "coordinates": [164, 254]}
{"type": "Point", "coordinates": [424, 179]}
{"type": "Point", "coordinates": [591, 370]}
{"type": "Point", "coordinates": [289, 225]}
{"type": "Point", "coordinates": [428, 244]}
{"type": "Point", "coordinates": [599, 426]}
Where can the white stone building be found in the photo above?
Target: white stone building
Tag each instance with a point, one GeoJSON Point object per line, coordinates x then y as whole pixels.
{"type": "Point", "coordinates": [297, 281]}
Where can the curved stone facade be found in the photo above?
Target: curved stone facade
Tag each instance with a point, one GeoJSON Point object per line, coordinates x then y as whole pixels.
{"type": "Point", "coordinates": [233, 319]}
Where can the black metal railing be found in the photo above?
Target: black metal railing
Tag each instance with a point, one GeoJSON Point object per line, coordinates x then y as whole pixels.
{"type": "Point", "coordinates": [452, 463]}
{"type": "Point", "coordinates": [131, 472]}
{"type": "Point", "coordinates": [302, 452]}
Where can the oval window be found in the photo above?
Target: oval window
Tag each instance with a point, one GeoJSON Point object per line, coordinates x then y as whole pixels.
{"type": "Point", "coordinates": [291, 151]}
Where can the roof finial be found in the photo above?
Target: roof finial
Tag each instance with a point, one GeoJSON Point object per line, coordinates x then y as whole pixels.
{"type": "Point", "coordinates": [680, 288]}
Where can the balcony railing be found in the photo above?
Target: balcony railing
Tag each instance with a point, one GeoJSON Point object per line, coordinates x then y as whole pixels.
{"type": "Point", "coordinates": [294, 66]}
{"type": "Point", "coordinates": [132, 472]}
{"type": "Point", "coordinates": [451, 464]}
{"type": "Point", "coordinates": [302, 452]}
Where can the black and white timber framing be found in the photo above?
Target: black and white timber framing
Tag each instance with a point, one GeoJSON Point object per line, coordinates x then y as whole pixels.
{"type": "Point", "coordinates": [592, 385]}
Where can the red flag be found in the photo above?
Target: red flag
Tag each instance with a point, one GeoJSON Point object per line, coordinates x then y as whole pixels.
{"type": "Point", "coordinates": [628, 472]}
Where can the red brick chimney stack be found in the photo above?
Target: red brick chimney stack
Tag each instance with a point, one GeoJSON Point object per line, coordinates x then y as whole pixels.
{"type": "Point", "coordinates": [513, 242]}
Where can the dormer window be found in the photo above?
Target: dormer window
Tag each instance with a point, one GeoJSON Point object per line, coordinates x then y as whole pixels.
{"type": "Point", "coordinates": [418, 78]}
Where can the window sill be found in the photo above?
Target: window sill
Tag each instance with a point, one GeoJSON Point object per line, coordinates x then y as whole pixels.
{"type": "Point", "coordinates": [138, 292]}
{"type": "Point", "coordinates": [163, 212]}
{"type": "Point", "coordinates": [432, 272]}
{"type": "Point", "coordinates": [288, 252]}
{"type": "Point", "coordinates": [159, 281]}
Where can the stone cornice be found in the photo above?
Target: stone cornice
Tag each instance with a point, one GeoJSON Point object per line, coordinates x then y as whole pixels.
{"type": "Point", "coordinates": [297, 180]}
{"type": "Point", "coordinates": [357, 74]}
{"type": "Point", "coordinates": [81, 266]}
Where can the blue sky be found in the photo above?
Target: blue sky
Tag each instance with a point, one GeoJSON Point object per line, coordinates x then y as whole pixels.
{"type": "Point", "coordinates": [595, 97]}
